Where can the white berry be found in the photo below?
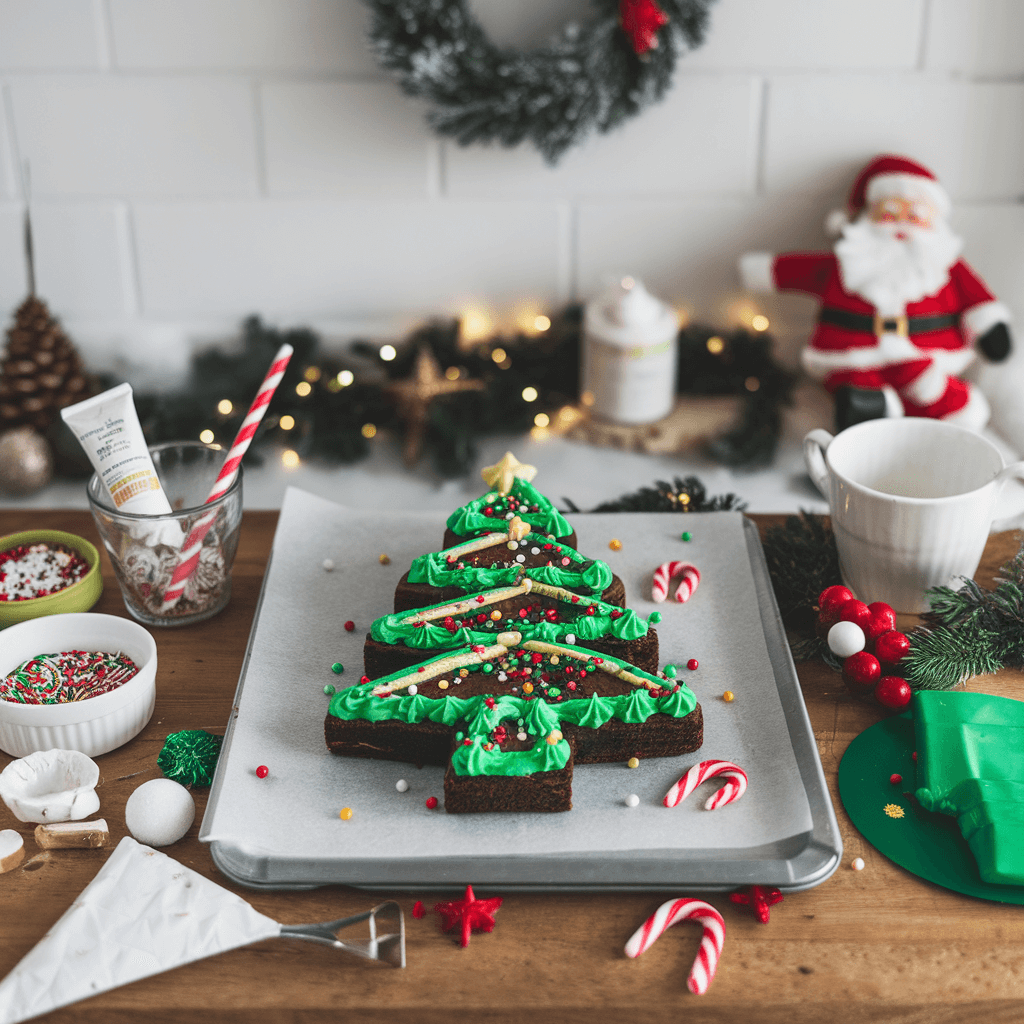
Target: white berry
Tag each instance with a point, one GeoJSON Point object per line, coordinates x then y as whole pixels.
{"type": "Point", "coordinates": [845, 639]}
{"type": "Point", "coordinates": [858, 864]}
{"type": "Point", "coordinates": [412, 690]}
{"type": "Point", "coordinates": [401, 785]}
{"type": "Point", "coordinates": [159, 812]}
{"type": "Point", "coordinates": [520, 736]}
{"type": "Point", "coordinates": [534, 551]}
{"type": "Point", "coordinates": [570, 638]}
{"type": "Point", "coordinates": [328, 565]}
{"type": "Point", "coordinates": [520, 558]}
{"type": "Point", "coordinates": [632, 800]}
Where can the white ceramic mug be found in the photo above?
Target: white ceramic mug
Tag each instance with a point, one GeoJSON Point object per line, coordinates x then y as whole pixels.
{"type": "Point", "coordinates": [911, 500]}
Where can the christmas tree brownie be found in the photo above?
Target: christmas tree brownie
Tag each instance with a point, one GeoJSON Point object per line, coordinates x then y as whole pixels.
{"type": "Point", "coordinates": [537, 610]}
{"type": "Point", "coordinates": [509, 720]}
{"type": "Point", "coordinates": [511, 494]}
{"type": "Point", "coordinates": [501, 558]}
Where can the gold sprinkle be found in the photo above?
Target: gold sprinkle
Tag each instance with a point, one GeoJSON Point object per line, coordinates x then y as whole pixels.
{"type": "Point", "coordinates": [463, 672]}
{"type": "Point", "coordinates": [894, 810]}
{"type": "Point", "coordinates": [384, 559]}
{"type": "Point", "coordinates": [527, 687]}
{"type": "Point", "coordinates": [495, 616]}
{"type": "Point", "coordinates": [633, 762]}
{"type": "Point", "coordinates": [443, 685]}
{"type": "Point", "coordinates": [728, 696]}
{"type": "Point", "coordinates": [554, 736]}
{"type": "Point", "coordinates": [615, 544]}
{"type": "Point", "coordinates": [554, 659]}
{"type": "Point", "coordinates": [345, 813]}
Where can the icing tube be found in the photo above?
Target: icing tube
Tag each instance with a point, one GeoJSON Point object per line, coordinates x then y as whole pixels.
{"type": "Point", "coordinates": [108, 428]}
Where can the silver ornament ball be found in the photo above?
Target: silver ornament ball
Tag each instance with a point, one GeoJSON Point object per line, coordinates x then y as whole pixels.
{"type": "Point", "coordinates": [26, 462]}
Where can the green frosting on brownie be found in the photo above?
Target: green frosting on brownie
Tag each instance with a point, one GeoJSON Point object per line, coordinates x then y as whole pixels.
{"type": "Point", "coordinates": [531, 506]}
{"type": "Point", "coordinates": [481, 715]}
{"type": "Point", "coordinates": [606, 620]}
{"type": "Point", "coordinates": [582, 573]}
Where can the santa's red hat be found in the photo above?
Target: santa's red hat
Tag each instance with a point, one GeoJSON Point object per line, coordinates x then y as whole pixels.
{"type": "Point", "coordinates": [890, 175]}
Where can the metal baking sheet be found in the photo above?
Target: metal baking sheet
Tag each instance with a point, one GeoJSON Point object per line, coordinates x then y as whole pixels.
{"type": "Point", "coordinates": [284, 831]}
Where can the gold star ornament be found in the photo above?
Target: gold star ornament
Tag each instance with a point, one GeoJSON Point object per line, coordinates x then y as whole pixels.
{"type": "Point", "coordinates": [505, 471]}
{"type": "Point", "coordinates": [413, 398]}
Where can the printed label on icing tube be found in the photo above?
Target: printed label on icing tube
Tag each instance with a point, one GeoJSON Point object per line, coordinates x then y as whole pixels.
{"type": "Point", "coordinates": [108, 429]}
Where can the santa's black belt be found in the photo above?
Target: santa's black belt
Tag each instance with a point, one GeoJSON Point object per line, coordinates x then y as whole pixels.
{"type": "Point", "coordinates": [879, 325]}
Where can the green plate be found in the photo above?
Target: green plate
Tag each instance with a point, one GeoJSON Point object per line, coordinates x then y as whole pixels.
{"type": "Point", "coordinates": [79, 597]}
{"type": "Point", "coordinates": [927, 844]}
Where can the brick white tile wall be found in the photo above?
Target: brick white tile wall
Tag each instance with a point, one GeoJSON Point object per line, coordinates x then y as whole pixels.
{"type": "Point", "coordinates": [194, 161]}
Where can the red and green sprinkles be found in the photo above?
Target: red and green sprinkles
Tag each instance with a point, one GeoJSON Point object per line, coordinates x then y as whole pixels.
{"type": "Point", "coordinates": [66, 677]}
{"type": "Point", "coordinates": [38, 570]}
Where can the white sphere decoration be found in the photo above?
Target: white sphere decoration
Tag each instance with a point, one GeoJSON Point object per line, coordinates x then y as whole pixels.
{"type": "Point", "coordinates": [159, 812]}
{"type": "Point", "coordinates": [632, 800]}
{"type": "Point", "coordinates": [846, 638]}
{"type": "Point", "coordinates": [402, 786]}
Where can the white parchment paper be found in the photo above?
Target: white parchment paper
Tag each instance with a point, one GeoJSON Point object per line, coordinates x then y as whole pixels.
{"type": "Point", "coordinates": [291, 817]}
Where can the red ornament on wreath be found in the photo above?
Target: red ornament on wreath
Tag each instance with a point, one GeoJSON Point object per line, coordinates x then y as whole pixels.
{"type": "Point", "coordinates": [641, 20]}
{"type": "Point", "coordinates": [901, 314]}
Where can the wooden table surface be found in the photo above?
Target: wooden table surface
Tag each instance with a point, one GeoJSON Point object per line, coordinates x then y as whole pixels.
{"type": "Point", "coordinates": [875, 945]}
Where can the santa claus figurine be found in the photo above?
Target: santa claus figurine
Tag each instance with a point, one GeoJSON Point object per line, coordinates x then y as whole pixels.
{"type": "Point", "coordinates": [901, 314]}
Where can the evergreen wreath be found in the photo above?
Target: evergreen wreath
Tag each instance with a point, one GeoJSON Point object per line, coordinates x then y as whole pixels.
{"type": "Point", "coordinates": [589, 77]}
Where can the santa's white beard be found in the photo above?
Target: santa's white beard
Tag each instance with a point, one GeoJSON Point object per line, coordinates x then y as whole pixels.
{"type": "Point", "coordinates": [890, 272]}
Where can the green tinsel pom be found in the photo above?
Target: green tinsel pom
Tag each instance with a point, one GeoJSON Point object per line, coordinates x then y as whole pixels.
{"type": "Point", "coordinates": [189, 757]}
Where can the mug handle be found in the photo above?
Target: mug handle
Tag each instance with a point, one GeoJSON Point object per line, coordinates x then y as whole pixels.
{"type": "Point", "coordinates": [1008, 519]}
{"type": "Point", "coordinates": [1015, 469]}
{"type": "Point", "coordinates": [815, 445]}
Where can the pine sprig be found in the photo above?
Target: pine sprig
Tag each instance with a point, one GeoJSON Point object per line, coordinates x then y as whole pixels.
{"type": "Point", "coordinates": [686, 495]}
{"type": "Point", "coordinates": [944, 658]}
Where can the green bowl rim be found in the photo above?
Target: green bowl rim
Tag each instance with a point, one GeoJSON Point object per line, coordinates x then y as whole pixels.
{"type": "Point", "coordinates": [84, 547]}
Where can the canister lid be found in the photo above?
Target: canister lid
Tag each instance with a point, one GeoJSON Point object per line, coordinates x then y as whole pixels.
{"type": "Point", "coordinates": [626, 313]}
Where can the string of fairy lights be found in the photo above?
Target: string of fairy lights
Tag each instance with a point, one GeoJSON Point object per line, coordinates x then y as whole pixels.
{"type": "Point", "coordinates": [446, 385]}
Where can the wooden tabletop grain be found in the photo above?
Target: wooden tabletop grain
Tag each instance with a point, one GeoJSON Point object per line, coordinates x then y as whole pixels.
{"type": "Point", "coordinates": [878, 945]}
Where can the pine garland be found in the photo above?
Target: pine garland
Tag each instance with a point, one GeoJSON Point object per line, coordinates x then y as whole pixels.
{"type": "Point", "coordinates": [588, 78]}
{"type": "Point", "coordinates": [687, 495]}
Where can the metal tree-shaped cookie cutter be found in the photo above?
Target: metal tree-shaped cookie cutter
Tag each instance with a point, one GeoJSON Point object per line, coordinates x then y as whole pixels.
{"type": "Point", "coordinates": [384, 945]}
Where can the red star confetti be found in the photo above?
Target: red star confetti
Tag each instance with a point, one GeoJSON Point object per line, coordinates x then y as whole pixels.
{"type": "Point", "coordinates": [641, 20]}
{"type": "Point", "coordinates": [469, 913]}
{"type": "Point", "coordinates": [759, 898]}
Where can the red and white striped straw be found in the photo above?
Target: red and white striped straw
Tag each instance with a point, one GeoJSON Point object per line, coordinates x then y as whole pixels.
{"type": "Point", "coordinates": [188, 558]}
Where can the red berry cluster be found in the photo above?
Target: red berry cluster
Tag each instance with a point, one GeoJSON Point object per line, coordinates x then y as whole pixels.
{"type": "Point", "coordinates": [875, 669]}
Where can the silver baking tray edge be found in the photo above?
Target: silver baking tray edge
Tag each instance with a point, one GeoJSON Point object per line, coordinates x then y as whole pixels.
{"type": "Point", "coordinates": [251, 828]}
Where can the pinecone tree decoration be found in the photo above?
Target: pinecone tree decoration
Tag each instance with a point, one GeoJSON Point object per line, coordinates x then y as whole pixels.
{"type": "Point", "coordinates": [41, 371]}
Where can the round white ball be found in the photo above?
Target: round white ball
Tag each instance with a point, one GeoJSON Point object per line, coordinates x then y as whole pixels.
{"type": "Point", "coordinates": [159, 812]}
{"type": "Point", "coordinates": [402, 786]}
{"type": "Point", "coordinates": [328, 565]}
{"type": "Point", "coordinates": [858, 864]}
{"type": "Point", "coordinates": [632, 800]}
{"type": "Point", "coordinates": [846, 638]}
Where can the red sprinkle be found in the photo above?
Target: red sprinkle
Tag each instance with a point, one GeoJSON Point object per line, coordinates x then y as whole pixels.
{"type": "Point", "coordinates": [693, 664]}
{"type": "Point", "coordinates": [480, 599]}
{"type": "Point", "coordinates": [895, 778]}
{"type": "Point", "coordinates": [418, 910]}
{"type": "Point", "coordinates": [349, 626]}
{"type": "Point", "coordinates": [364, 679]}
{"type": "Point", "coordinates": [262, 772]}
{"type": "Point", "coordinates": [431, 802]}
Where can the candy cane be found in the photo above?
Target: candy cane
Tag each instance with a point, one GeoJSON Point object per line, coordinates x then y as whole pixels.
{"type": "Point", "coordinates": [732, 790]}
{"type": "Point", "coordinates": [663, 575]}
{"type": "Point", "coordinates": [188, 558]}
{"type": "Point", "coordinates": [704, 966]}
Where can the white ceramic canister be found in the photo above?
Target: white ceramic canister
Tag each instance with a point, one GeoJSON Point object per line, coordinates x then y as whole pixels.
{"type": "Point", "coordinates": [629, 354]}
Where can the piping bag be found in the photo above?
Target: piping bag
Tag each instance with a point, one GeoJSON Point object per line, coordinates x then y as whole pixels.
{"type": "Point", "coordinates": [145, 913]}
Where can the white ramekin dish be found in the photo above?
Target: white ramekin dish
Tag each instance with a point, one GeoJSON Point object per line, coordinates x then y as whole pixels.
{"type": "Point", "coordinates": [94, 725]}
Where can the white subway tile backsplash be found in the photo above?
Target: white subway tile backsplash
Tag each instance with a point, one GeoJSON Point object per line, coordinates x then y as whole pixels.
{"type": "Point", "coordinates": [994, 245]}
{"type": "Point", "coordinates": [79, 258]}
{"type": "Point", "coordinates": [315, 36]}
{"type": "Point", "coordinates": [343, 259]}
{"type": "Point", "coordinates": [130, 136]}
{"type": "Point", "coordinates": [48, 35]}
{"type": "Point", "coordinates": [347, 138]}
{"type": "Point", "coordinates": [702, 137]}
{"type": "Point", "coordinates": [822, 129]}
{"type": "Point", "coordinates": [806, 35]}
{"type": "Point", "coordinates": [979, 37]}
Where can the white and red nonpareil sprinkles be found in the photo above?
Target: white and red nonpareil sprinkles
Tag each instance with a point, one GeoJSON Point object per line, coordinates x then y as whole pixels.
{"type": "Point", "coordinates": [37, 570]}
{"type": "Point", "coordinates": [668, 571]}
{"type": "Point", "coordinates": [704, 966]}
{"type": "Point", "coordinates": [732, 790]}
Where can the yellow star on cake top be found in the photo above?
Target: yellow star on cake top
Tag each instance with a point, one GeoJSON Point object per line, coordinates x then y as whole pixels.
{"type": "Point", "coordinates": [504, 472]}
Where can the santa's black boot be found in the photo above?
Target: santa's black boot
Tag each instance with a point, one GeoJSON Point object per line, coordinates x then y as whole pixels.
{"type": "Point", "coordinates": [856, 405]}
